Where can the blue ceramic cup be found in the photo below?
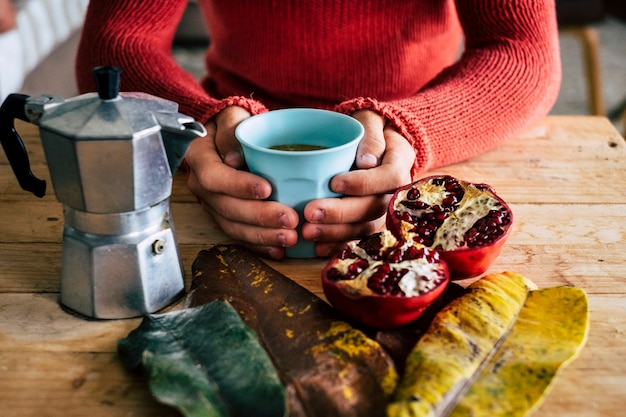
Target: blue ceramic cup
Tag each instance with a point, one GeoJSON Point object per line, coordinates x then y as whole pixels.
{"type": "Point", "coordinates": [298, 176]}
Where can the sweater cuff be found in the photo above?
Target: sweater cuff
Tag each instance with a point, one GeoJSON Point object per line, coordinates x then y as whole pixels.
{"type": "Point", "coordinates": [252, 106]}
{"type": "Point", "coordinates": [407, 124]}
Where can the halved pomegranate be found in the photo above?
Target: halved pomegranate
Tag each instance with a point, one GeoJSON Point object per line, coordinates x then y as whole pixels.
{"type": "Point", "coordinates": [466, 223]}
{"type": "Point", "coordinates": [383, 282]}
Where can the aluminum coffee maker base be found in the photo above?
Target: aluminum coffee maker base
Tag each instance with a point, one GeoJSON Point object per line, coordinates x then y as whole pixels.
{"type": "Point", "coordinates": [126, 276]}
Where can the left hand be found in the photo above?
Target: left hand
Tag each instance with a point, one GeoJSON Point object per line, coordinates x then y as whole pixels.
{"type": "Point", "coordinates": [384, 161]}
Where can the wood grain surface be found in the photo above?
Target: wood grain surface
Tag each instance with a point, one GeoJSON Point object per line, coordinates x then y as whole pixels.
{"type": "Point", "coordinates": [565, 180]}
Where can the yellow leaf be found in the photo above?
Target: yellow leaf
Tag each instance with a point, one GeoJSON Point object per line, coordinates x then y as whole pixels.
{"type": "Point", "coordinates": [549, 333]}
{"type": "Point", "coordinates": [460, 339]}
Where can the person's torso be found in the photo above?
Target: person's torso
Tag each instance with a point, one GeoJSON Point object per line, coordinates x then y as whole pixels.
{"type": "Point", "coordinates": [315, 53]}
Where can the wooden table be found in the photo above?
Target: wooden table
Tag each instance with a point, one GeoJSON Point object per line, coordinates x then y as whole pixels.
{"type": "Point", "coordinates": [565, 180]}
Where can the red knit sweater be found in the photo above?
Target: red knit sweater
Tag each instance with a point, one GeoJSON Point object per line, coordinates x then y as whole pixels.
{"type": "Point", "coordinates": [397, 57]}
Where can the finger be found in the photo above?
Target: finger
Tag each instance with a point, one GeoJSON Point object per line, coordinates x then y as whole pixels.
{"type": "Point", "coordinates": [270, 252]}
{"type": "Point", "coordinates": [346, 209]}
{"type": "Point", "coordinates": [372, 146]}
{"type": "Point", "coordinates": [226, 143]}
{"type": "Point", "coordinates": [347, 221]}
{"type": "Point", "coordinates": [202, 150]}
{"type": "Point", "coordinates": [254, 234]}
{"type": "Point", "coordinates": [340, 232]}
{"type": "Point", "coordinates": [264, 214]}
{"type": "Point", "coordinates": [328, 249]}
{"type": "Point", "coordinates": [209, 174]}
{"type": "Point", "coordinates": [394, 171]}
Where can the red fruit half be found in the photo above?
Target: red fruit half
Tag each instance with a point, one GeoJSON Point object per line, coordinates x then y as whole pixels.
{"type": "Point", "coordinates": [383, 282]}
{"type": "Point", "coordinates": [466, 223]}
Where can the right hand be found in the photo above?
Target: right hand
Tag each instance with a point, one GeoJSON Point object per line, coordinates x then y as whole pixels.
{"type": "Point", "coordinates": [235, 198]}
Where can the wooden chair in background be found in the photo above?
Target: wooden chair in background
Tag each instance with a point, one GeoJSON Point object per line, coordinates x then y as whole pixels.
{"type": "Point", "coordinates": [578, 17]}
{"type": "Point", "coordinates": [617, 9]}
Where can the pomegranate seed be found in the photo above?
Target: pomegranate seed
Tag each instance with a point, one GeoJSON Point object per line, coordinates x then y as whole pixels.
{"type": "Point", "coordinates": [395, 256]}
{"type": "Point", "coordinates": [424, 231]}
{"type": "Point", "coordinates": [441, 217]}
{"type": "Point", "coordinates": [486, 230]}
{"type": "Point", "coordinates": [385, 280]}
{"type": "Point", "coordinates": [413, 194]}
{"type": "Point", "coordinates": [345, 254]}
{"type": "Point", "coordinates": [356, 268]}
{"type": "Point", "coordinates": [385, 268]}
{"type": "Point", "coordinates": [471, 234]}
{"type": "Point", "coordinates": [334, 274]}
{"type": "Point", "coordinates": [413, 252]}
{"type": "Point", "coordinates": [414, 205]}
{"type": "Point", "coordinates": [373, 247]}
{"type": "Point", "coordinates": [449, 200]}
{"type": "Point", "coordinates": [451, 184]}
{"type": "Point", "coordinates": [406, 217]}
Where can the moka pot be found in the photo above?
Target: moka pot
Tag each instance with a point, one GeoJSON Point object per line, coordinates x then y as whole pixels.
{"type": "Point", "coordinates": [111, 158]}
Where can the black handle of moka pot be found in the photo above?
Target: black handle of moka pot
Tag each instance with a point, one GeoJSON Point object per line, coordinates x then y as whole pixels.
{"type": "Point", "coordinates": [11, 109]}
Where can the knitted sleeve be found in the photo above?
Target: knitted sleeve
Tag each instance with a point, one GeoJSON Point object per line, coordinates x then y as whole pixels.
{"type": "Point", "coordinates": [136, 35]}
{"type": "Point", "coordinates": [507, 78]}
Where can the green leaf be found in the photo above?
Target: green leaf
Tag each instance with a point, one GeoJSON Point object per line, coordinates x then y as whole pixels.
{"type": "Point", "coordinates": [205, 362]}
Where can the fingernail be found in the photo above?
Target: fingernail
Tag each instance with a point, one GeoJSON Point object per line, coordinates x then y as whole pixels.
{"type": "Point", "coordinates": [367, 160]}
{"type": "Point", "coordinates": [275, 253]}
{"type": "Point", "coordinates": [257, 194]}
{"type": "Point", "coordinates": [340, 187]}
{"type": "Point", "coordinates": [317, 216]}
{"type": "Point", "coordinates": [282, 239]}
{"type": "Point", "coordinates": [233, 159]}
{"type": "Point", "coordinates": [316, 234]}
{"type": "Point", "coordinates": [283, 220]}
{"type": "Point", "coordinates": [322, 251]}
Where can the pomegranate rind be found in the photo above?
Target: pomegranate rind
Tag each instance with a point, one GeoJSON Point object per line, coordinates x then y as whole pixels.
{"type": "Point", "coordinates": [382, 312]}
{"type": "Point", "coordinates": [463, 262]}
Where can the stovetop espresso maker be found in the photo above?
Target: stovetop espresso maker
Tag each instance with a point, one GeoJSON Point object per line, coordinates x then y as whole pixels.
{"type": "Point", "coordinates": [111, 157]}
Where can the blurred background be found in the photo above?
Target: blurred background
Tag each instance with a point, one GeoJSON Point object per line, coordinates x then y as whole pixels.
{"type": "Point", "coordinates": [37, 55]}
{"type": "Point", "coordinates": [593, 53]}
{"type": "Point", "coordinates": [574, 94]}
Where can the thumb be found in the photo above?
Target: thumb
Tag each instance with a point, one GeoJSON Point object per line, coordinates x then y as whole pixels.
{"type": "Point", "coordinates": [372, 146]}
{"type": "Point", "coordinates": [227, 145]}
